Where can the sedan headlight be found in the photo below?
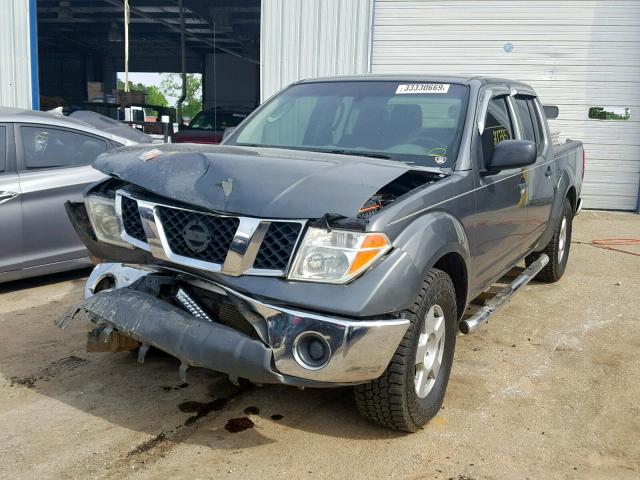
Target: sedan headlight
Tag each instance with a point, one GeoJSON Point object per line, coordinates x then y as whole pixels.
{"type": "Point", "coordinates": [336, 256]}
{"type": "Point", "coordinates": [102, 214]}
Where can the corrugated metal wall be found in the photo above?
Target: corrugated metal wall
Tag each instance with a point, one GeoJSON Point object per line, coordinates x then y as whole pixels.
{"type": "Point", "coordinates": [312, 38]}
{"type": "Point", "coordinates": [577, 54]}
{"type": "Point", "coordinates": [15, 54]}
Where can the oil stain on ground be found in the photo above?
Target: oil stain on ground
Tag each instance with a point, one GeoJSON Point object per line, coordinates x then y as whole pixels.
{"type": "Point", "coordinates": [168, 388]}
{"type": "Point", "coordinates": [148, 445]}
{"type": "Point", "coordinates": [235, 425]}
{"type": "Point", "coordinates": [50, 371]}
{"type": "Point", "coordinates": [201, 409]}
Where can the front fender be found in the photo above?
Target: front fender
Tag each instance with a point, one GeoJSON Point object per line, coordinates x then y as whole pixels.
{"type": "Point", "coordinates": [431, 237]}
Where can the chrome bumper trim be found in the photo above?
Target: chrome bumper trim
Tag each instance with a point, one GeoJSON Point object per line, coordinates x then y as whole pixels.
{"type": "Point", "coordinates": [122, 275]}
{"type": "Point", "coordinates": [360, 349]}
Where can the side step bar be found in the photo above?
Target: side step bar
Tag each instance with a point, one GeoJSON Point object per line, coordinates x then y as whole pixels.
{"type": "Point", "coordinates": [502, 297]}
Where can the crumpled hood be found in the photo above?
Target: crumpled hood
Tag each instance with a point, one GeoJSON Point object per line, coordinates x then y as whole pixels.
{"type": "Point", "coordinates": [260, 182]}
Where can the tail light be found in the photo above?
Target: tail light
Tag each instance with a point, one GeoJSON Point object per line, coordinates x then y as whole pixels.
{"type": "Point", "coordinates": [584, 162]}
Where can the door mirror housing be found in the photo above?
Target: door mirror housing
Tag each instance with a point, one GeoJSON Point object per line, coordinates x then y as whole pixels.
{"type": "Point", "coordinates": [227, 132]}
{"type": "Point", "coordinates": [511, 154]}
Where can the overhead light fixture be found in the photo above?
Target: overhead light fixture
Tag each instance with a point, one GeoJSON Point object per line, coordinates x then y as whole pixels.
{"type": "Point", "coordinates": [64, 11]}
{"type": "Point", "coordinates": [114, 34]}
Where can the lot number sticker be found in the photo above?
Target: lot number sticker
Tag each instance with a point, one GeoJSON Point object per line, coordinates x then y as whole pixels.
{"type": "Point", "coordinates": [422, 88]}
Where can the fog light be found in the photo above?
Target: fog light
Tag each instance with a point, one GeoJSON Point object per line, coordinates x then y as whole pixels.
{"type": "Point", "coordinates": [311, 350]}
{"type": "Point", "coordinates": [105, 283]}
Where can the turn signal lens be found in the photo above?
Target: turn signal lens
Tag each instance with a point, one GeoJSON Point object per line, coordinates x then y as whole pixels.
{"type": "Point", "coordinates": [336, 256]}
{"type": "Point", "coordinates": [362, 260]}
{"type": "Point", "coordinates": [375, 240]}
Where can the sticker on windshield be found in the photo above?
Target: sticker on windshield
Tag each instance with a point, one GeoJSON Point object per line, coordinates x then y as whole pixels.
{"type": "Point", "coordinates": [439, 155]}
{"type": "Point", "coordinates": [422, 88]}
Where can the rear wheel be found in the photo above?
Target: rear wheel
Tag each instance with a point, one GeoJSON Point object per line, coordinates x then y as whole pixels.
{"type": "Point", "coordinates": [557, 249]}
{"type": "Point", "coordinates": [411, 390]}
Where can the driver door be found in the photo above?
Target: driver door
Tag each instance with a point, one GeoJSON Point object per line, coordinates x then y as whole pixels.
{"type": "Point", "coordinates": [498, 231]}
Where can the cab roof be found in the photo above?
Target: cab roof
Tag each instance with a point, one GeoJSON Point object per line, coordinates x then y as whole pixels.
{"type": "Point", "coordinates": [413, 77]}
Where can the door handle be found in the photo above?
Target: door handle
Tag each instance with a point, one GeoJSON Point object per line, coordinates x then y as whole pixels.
{"type": "Point", "coordinates": [548, 172]}
{"type": "Point", "coordinates": [6, 196]}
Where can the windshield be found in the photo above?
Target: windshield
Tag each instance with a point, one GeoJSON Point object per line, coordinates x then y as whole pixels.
{"type": "Point", "coordinates": [419, 123]}
{"type": "Point", "coordinates": [207, 120]}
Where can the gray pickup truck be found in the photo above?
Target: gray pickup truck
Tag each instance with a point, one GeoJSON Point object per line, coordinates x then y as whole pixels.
{"type": "Point", "coordinates": [335, 238]}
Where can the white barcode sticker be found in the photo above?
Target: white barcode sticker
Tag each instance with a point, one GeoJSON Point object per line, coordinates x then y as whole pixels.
{"type": "Point", "coordinates": [422, 88]}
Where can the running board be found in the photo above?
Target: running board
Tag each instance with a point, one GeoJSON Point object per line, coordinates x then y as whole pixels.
{"type": "Point", "coordinates": [501, 298]}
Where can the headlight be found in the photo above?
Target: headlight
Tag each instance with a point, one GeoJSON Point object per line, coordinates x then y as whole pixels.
{"type": "Point", "coordinates": [102, 214]}
{"type": "Point", "coordinates": [336, 256]}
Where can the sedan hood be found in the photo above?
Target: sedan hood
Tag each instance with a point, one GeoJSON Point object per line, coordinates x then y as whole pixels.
{"type": "Point", "coordinates": [251, 181]}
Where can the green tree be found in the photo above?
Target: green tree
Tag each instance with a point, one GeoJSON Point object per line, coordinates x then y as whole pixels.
{"type": "Point", "coordinates": [171, 86]}
{"type": "Point", "coordinates": [154, 94]}
{"type": "Point", "coordinates": [156, 97]}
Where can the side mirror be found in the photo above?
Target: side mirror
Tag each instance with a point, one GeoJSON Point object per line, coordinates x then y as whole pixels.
{"type": "Point", "coordinates": [551, 111]}
{"type": "Point", "coordinates": [227, 132]}
{"type": "Point", "coordinates": [181, 126]}
{"type": "Point", "coordinates": [512, 154]}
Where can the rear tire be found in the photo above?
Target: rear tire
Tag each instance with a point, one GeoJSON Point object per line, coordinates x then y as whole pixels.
{"type": "Point", "coordinates": [412, 389]}
{"type": "Point", "coordinates": [557, 249]}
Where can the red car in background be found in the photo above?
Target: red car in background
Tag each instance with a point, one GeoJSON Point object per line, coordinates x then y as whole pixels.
{"type": "Point", "coordinates": [208, 126]}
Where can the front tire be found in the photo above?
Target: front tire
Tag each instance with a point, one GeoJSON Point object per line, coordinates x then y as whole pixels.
{"type": "Point", "coordinates": [557, 249]}
{"type": "Point", "coordinates": [412, 389]}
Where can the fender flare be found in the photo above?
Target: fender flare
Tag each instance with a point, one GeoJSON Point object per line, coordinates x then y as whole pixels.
{"type": "Point", "coordinates": [566, 181]}
{"type": "Point", "coordinates": [432, 236]}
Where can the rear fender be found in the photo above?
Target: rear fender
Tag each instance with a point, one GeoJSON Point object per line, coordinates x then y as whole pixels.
{"type": "Point", "coordinates": [564, 184]}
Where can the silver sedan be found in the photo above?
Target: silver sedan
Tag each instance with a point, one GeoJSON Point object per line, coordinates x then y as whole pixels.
{"type": "Point", "coordinates": [45, 160]}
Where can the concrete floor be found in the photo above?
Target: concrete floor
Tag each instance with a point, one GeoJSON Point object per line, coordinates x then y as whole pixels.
{"type": "Point", "coordinates": [549, 389]}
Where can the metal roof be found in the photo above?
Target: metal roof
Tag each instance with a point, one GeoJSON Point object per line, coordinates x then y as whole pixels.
{"type": "Point", "coordinates": [229, 26]}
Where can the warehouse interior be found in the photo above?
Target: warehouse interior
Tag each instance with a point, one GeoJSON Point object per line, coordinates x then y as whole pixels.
{"type": "Point", "coordinates": [83, 41]}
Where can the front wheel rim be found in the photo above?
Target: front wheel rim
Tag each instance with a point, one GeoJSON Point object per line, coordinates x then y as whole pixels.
{"type": "Point", "coordinates": [430, 350]}
{"type": "Point", "coordinates": [562, 239]}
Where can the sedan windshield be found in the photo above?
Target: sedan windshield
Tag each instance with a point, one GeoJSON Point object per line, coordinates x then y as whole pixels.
{"type": "Point", "coordinates": [416, 123]}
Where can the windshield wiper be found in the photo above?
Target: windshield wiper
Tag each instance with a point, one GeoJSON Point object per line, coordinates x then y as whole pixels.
{"type": "Point", "coordinates": [358, 153]}
{"type": "Point", "coordinates": [336, 151]}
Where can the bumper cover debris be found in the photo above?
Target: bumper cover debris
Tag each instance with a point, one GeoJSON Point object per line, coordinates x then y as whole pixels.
{"type": "Point", "coordinates": [358, 350]}
{"type": "Point", "coordinates": [192, 340]}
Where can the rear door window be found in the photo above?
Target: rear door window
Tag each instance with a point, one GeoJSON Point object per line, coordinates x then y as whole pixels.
{"type": "Point", "coordinates": [498, 126]}
{"type": "Point", "coordinates": [46, 147]}
{"type": "Point", "coordinates": [526, 119]}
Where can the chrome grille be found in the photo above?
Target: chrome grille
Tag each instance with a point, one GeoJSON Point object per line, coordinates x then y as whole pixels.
{"type": "Point", "coordinates": [198, 235]}
{"type": "Point", "coordinates": [232, 245]}
{"type": "Point", "coordinates": [131, 219]}
{"type": "Point", "coordinates": [277, 246]}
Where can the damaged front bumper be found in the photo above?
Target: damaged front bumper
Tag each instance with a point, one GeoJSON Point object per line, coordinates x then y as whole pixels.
{"type": "Point", "coordinates": [289, 346]}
